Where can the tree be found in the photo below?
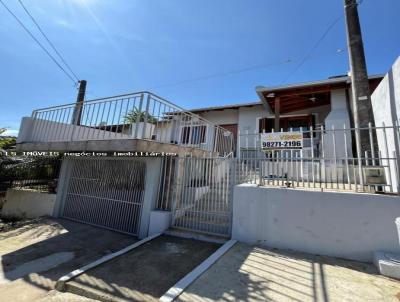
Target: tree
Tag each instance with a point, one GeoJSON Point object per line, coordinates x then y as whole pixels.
{"type": "Point", "coordinates": [6, 142]}
{"type": "Point", "coordinates": [135, 115]}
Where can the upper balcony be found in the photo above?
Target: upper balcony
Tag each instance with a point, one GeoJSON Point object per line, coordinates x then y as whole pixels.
{"type": "Point", "coordinates": [140, 121]}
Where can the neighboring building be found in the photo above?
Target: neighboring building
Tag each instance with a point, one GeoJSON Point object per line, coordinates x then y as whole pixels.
{"type": "Point", "coordinates": [386, 108]}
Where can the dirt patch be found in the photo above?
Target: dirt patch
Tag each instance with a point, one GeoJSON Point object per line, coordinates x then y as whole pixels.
{"type": "Point", "coordinates": [12, 223]}
{"type": "Point", "coordinates": [145, 273]}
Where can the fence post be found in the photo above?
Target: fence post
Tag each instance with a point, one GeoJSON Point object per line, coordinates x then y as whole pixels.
{"type": "Point", "coordinates": [146, 114]}
{"type": "Point", "coordinates": [138, 116]}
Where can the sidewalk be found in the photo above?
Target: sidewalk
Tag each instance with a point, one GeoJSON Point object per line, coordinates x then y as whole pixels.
{"type": "Point", "coordinates": [248, 273]}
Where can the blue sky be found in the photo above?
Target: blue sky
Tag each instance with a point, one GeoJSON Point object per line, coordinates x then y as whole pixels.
{"type": "Point", "coordinates": [122, 46]}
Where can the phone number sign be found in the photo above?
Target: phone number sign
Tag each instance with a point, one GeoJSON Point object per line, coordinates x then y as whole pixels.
{"type": "Point", "coordinates": [281, 140]}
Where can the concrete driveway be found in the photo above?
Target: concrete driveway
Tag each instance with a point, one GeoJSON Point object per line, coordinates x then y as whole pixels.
{"type": "Point", "coordinates": [38, 252]}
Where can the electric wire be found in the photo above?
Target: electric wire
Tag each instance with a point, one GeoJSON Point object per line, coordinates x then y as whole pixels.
{"type": "Point", "coordinates": [315, 46]}
{"type": "Point", "coordinates": [48, 40]}
{"type": "Point", "coordinates": [38, 42]}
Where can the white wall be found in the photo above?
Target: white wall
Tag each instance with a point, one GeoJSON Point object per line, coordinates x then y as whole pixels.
{"type": "Point", "coordinates": [160, 221]}
{"type": "Point", "coordinates": [337, 119]}
{"type": "Point", "coordinates": [37, 130]}
{"type": "Point", "coordinates": [222, 117]}
{"type": "Point", "coordinates": [386, 108]}
{"type": "Point", "coordinates": [28, 204]}
{"type": "Point", "coordinates": [347, 225]}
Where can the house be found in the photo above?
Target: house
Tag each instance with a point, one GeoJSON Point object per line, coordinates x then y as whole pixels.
{"type": "Point", "coordinates": [308, 105]}
{"type": "Point", "coordinates": [216, 147]}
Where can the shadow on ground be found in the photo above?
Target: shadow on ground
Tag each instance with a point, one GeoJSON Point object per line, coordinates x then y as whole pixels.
{"type": "Point", "coordinates": [46, 249]}
{"type": "Point", "coordinates": [145, 273]}
{"type": "Point", "coordinates": [248, 273]}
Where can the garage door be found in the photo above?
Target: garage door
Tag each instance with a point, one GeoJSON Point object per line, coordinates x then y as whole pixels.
{"type": "Point", "coordinates": [106, 192]}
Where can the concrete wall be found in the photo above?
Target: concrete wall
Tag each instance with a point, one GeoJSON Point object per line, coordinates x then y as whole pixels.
{"type": "Point", "coordinates": [160, 221]}
{"type": "Point", "coordinates": [28, 204]}
{"type": "Point", "coordinates": [347, 225]}
{"type": "Point", "coordinates": [222, 117]}
{"type": "Point", "coordinates": [337, 119]}
{"type": "Point", "coordinates": [48, 131]}
{"type": "Point", "coordinates": [386, 107]}
{"type": "Point", "coordinates": [153, 170]}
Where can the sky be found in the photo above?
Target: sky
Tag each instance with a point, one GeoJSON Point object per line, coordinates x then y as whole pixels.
{"type": "Point", "coordinates": [193, 53]}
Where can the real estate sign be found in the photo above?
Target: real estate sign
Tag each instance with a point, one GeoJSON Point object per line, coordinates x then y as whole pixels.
{"type": "Point", "coordinates": [281, 140]}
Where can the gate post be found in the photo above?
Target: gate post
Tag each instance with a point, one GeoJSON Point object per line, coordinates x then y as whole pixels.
{"type": "Point", "coordinates": [62, 185]}
{"type": "Point", "coordinates": [231, 187]}
{"type": "Point", "coordinates": [178, 185]}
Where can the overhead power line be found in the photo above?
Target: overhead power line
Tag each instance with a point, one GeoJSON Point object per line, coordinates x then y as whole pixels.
{"type": "Point", "coordinates": [241, 70]}
{"type": "Point", "coordinates": [48, 40]}
{"type": "Point", "coordinates": [315, 46]}
{"type": "Point", "coordinates": [38, 42]}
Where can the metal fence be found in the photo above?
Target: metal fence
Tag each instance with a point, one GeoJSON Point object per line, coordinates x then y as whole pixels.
{"type": "Point", "coordinates": [198, 192]}
{"type": "Point", "coordinates": [329, 159]}
{"type": "Point", "coordinates": [31, 174]}
{"type": "Point", "coordinates": [105, 192]}
{"type": "Point", "coordinates": [141, 115]}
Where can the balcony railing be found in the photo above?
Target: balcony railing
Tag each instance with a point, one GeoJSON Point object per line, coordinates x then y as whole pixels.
{"type": "Point", "coordinates": [141, 115]}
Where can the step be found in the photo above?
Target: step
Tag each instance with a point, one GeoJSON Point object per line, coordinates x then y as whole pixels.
{"type": "Point", "coordinates": [197, 235]}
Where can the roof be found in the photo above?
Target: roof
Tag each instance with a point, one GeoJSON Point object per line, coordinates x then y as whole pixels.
{"type": "Point", "coordinates": [330, 81]}
{"type": "Point", "coordinates": [224, 107]}
{"type": "Point", "coordinates": [261, 90]}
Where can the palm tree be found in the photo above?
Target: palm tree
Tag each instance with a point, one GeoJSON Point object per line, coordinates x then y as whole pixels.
{"type": "Point", "coordinates": [135, 115]}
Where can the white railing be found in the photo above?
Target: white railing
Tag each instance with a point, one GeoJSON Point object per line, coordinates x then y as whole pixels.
{"type": "Point", "coordinates": [327, 160]}
{"type": "Point", "coordinates": [141, 115]}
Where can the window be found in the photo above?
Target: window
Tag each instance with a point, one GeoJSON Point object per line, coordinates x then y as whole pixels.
{"type": "Point", "coordinates": [193, 135]}
{"type": "Point", "coordinates": [287, 123]}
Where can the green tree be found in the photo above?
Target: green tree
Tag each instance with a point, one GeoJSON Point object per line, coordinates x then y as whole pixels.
{"type": "Point", "coordinates": [6, 142]}
{"type": "Point", "coordinates": [135, 115]}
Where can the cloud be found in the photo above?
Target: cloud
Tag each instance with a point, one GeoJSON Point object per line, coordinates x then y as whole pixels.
{"type": "Point", "coordinates": [10, 132]}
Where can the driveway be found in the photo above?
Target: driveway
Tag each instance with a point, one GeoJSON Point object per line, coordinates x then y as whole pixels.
{"type": "Point", "coordinates": [38, 252]}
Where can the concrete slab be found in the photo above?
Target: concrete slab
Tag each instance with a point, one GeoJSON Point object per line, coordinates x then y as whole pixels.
{"type": "Point", "coordinates": [251, 273]}
{"type": "Point", "coordinates": [145, 273]}
{"type": "Point", "coordinates": [36, 254]}
{"type": "Point", "coordinates": [388, 264]}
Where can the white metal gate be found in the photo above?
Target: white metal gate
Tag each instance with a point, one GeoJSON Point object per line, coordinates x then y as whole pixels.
{"type": "Point", "coordinates": [204, 195]}
{"type": "Point", "coordinates": [106, 192]}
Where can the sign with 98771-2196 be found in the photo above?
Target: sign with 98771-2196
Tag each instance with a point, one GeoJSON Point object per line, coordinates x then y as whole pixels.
{"type": "Point", "coordinates": [281, 141]}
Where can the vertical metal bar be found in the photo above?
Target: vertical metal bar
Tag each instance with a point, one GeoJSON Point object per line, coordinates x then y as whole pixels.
{"type": "Point", "coordinates": [387, 157]}
{"type": "Point", "coordinates": [335, 156]}
{"type": "Point", "coordinates": [312, 154]}
{"type": "Point", "coordinates": [347, 156]}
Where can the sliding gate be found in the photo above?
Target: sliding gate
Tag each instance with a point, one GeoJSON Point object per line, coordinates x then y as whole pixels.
{"type": "Point", "coordinates": [203, 200]}
{"type": "Point", "coordinates": [106, 192]}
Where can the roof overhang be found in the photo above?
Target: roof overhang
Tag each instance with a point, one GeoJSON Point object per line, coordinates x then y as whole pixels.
{"type": "Point", "coordinates": [302, 91]}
